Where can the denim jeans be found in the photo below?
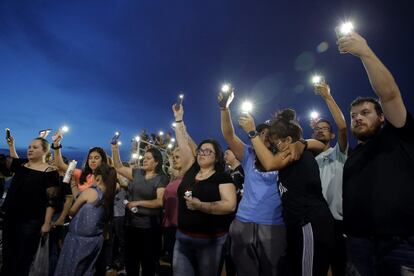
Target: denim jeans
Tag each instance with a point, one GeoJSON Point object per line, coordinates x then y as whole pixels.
{"type": "Point", "coordinates": [197, 256]}
{"type": "Point", "coordinates": [380, 256]}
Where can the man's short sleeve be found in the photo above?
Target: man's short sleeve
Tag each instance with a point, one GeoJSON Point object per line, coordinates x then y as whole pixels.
{"type": "Point", "coordinates": [341, 156]}
{"type": "Point", "coordinates": [406, 133]}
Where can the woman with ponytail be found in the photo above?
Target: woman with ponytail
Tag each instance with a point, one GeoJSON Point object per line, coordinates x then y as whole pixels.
{"type": "Point", "coordinates": [91, 212]}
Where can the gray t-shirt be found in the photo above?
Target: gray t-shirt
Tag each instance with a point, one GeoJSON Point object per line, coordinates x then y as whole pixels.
{"type": "Point", "coordinates": [331, 165]}
{"type": "Point", "coordinates": [144, 189]}
{"type": "Point", "coordinates": [119, 207]}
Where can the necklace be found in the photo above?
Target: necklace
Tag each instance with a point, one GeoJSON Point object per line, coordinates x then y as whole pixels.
{"type": "Point", "coordinates": [204, 175]}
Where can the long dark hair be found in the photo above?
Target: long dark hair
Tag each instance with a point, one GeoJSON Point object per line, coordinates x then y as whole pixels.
{"type": "Point", "coordinates": [156, 154]}
{"type": "Point", "coordinates": [109, 179]}
{"type": "Point", "coordinates": [220, 164]}
{"type": "Point", "coordinates": [87, 170]}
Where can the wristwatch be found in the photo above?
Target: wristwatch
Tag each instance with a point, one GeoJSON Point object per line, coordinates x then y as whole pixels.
{"type": "Point", "coordinates": [252, 134]}
{"type": "Point", "coordinates": [304, 142]}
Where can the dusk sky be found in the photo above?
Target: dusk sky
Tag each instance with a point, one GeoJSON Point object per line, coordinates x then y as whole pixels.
{"type": "Point", "coordinates": [102, 66]}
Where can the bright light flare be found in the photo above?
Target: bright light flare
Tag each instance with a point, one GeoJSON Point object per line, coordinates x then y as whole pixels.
{"type": "Point", "coordinates": [247, 107]}
{"type": "Point", "coordinates": [346, 28]}
{"type": "Point", "coordinates": [64, 128]}
{"type": "Point", "coordinates": [161, 133]}
{"type": "Point", "coordinates": [170, 146]}
{"type": "Point", "coordinates": [181, 96]}
{"type": "Point", "coordinates": [134, 156]}
{"type": "Point", "coordinates": [173, 125]}
{"type": "Point", "coordinates": [140, 157]}
{"type": "Point", "coordinates": [225, 87]}
{"type": "Point", "coordinates": [317, 79]}
{"type": "Point", "coordinates": [137, 138]}
{"type": "Point", "coordinates": [173, 140]}
{"type": "Point", "coordinates": [314, 115]}
{"type": "Point", "coordinates": [119, 143]}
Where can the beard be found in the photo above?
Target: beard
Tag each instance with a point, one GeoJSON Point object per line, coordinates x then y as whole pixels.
{"type": "Point", "coordinates": [368, 134]}
{"type": "Point", "coordinates": [323, 140]}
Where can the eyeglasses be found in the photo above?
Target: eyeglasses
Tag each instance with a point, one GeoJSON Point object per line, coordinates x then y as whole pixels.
{"type": "Point", "coordinates": [322, 129]}
{"type": "Point", "coordinates": [204, 152]}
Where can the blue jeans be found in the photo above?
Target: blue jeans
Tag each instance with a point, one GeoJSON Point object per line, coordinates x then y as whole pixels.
{"type": "Point", "coordinates": [380, 256]}
{"type": "Point", "coordinates": [197, 256]}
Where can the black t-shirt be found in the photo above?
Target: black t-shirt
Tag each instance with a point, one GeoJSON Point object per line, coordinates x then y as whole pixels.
{"type": "Point", "coordinates": [63, 191]}
{"type": "Point", "coordinates": [207, 190]}
{"type": "Point", "coordinates": [301, 192]}
{"type": "Point", "coordinates": [30, 192]}
{"type": "Point", "coordinates": [378, 184]}
{"type": "Point", "coordinates": [238, 177]}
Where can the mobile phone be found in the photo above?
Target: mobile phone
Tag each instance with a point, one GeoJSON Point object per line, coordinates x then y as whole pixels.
{"type": "Point", "coordinates": [180, 99]}
{"type": "Point", "coordinates": [8, 135]}
{"type": "Point", "coordinates": [44, 133]}
{"type": "Point", "coordinates": [58, 133]}
{"type": "Point", "coordinates": [115, 138]}
{"type": "Point", "coordinates": [339, 33]}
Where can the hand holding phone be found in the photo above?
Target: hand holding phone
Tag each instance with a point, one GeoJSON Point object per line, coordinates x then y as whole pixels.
{"type": "Point", "coordinates": [115, 139]}
{"type": "Point", "coordinates": [9, 139]}
{"type": "Point", "coordinates": [226, 96]}
{"type": "Point", "coordinates": [44, 133]}
{"type": "Point", "coordinates": [179, 102]}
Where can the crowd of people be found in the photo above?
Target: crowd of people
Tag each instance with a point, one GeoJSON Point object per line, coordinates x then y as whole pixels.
{"type": "Point", "coordinates": [280, 205]}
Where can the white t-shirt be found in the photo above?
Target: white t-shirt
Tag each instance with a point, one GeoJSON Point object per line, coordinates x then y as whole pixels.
{"type": "Point", "coordinates": [331, 165]}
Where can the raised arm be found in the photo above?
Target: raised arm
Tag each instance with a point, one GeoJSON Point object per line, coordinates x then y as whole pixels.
{"type": "Point", "coordinates": [381, 79]}
{"type": "Point", "coordinates": [191, 144]}
{"type": "Point", "coordinates": [236, 145]}
{"type": "Point", "coordinates": [12, 148]}
{"type": "Point", "coordinates": [324, 91]}
{"type": "Point", "coordinates": [58, 159]}
{"type": "Point", "coordinates": [120, 168]}
{"type": "Point", "coordinates": [187, 155]}
{"type": "Point", "coordinates": [269, 160]}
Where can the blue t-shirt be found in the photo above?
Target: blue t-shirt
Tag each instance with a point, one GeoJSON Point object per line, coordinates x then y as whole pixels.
{"type": "Point", "coordinates": [261, 202]}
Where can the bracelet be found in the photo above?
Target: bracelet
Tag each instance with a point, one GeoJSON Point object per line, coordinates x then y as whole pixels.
{"type": "Point", "coordinates": [179, 121]}
{"type": "Point", "coordinates": [55, 148]}
{"type": "Point", "coordinates": [224, 108]}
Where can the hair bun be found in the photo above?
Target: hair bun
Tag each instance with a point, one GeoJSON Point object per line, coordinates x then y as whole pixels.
{"type": "Point", "coordinates": [287, 114]}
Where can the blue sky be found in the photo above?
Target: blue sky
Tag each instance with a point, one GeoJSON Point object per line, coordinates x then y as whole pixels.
{"type": "Point", "coordinates": [102, 66]}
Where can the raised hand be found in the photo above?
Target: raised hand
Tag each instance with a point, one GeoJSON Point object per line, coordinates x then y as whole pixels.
{"type": "Point", "coordinates": [10, 141]}
{"type": "Point", "coordinates": [322, 89]}
{"type": "Point", "coordinates": [178, 111]}
{"type": "Point", "coordinates": [246, 121]}
{"type": "Point", "coordinates": [57, 138]}
{"type": "Point", "coordinates": [225, 98]}
{"type": "Point", "coordinates": [353, 44]}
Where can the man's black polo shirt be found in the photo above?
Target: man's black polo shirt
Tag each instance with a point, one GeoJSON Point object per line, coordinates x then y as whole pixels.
{"type": "Point", "coordinates": [378, 184]}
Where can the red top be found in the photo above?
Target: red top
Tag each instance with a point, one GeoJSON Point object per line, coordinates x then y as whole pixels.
{"type": "Point", "coordinates": [170, 201]}
{"type": "Point", "coordinates": [89, 180]}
